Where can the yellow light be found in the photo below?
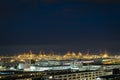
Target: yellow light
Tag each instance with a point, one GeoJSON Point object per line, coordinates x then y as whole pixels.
{"type": "Point", "coordinates": [105, 56]}
{"type": "Point", "coordinates": [12, 60]}
{"type": "Point", "coordinates": [22, 60]}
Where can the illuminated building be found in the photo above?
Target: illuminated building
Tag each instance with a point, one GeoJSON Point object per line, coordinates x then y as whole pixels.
{"type": "Point", "coordinates": [80, 75]}
{"type": "Point", "coordinates": [31, 58]}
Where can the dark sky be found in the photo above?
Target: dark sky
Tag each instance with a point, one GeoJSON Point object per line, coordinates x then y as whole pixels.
{"type": "Point", "coordinates": [63, 23]}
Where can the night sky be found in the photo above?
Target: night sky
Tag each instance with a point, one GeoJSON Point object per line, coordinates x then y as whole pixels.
{"type": "Point", "coordinates": [59, 25]}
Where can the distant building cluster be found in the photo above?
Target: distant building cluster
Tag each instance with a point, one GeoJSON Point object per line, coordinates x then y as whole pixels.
{"type": "Point", "coordinates": [67, 56]}
{"type": "Point", "coordinates": [85, 67]}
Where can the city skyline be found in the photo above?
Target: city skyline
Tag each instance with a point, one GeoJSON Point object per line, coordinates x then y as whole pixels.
{"type": "Point", "coordinates": [58, 50]}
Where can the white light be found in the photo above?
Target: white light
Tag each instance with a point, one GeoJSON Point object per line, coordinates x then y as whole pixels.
{"type": "Point", "coordinates": [50, 77]}
{"type": "Point", "coordinates": [98, 79]}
